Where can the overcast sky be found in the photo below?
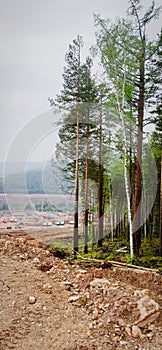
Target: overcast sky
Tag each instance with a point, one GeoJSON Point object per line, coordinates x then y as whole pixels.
{"type": "Point", "coordinates": [34, 37]}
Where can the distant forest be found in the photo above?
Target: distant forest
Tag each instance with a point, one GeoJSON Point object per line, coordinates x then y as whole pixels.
{"type": "Point", "coordinates": [33, 182]}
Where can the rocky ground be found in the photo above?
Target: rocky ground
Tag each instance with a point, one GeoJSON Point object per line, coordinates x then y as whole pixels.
{"type": "Point", "coordinates": [48, 303]}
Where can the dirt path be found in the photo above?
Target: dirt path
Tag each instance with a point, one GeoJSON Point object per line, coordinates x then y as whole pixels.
{"type": "Point", "coordinates": [47, 303]}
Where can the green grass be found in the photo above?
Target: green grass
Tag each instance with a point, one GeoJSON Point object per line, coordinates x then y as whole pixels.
{"type": "Point", "coordinates": [148, 252]}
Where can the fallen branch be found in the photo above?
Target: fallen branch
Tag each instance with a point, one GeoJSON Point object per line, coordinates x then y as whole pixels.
{"type": "Point", "coordinates": [116, 264]}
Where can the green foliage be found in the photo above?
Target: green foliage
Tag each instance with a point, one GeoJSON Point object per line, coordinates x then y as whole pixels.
{"type": "Point", "coordinates": [109, 251]}
{"type": "Point", "coordinates": [126, 55]}
{"type": "Point", "coordinates": [155, 100]}
{"type": "Point", "coordinates": [60, 249]}
{"type": "Point", "coordinates": [76, 98]}
{"type": "Point", "coordinates": [153, 262]}
{"type": "Point", "coordinates": [45, 207]}
{"type": "Point", "coordinates": [130, 259]}
{"type": "Point", "coordinates": [149, 254]}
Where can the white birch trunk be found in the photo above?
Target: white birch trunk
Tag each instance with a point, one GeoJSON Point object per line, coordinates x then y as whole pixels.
{"type": "Point", "coordinates": [127, 187]}
{"type": "Point", "coordinates": [111, 221]}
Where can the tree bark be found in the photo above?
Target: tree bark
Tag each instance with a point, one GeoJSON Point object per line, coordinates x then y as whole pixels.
{"type": "Point", "coordinates": [126, 180]}
{"type": "Point", "coordinates": [138, 174]}
{"type": "Point", "coordinates": [160, 229]}
{"type": "Point", "coordinates": [100, 186]}
{"type": "Point", "coordinates": [76, 195]}
{"type": "Point", "coordinates": [86, 193]}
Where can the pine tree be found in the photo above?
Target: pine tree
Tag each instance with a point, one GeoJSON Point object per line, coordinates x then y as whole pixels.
{"type": "Point", "coordinates": [76, 97]}
{"type": "Point", "coordinates": [69, 99]}
{"type": "Point", "coordinates": [90, 97]}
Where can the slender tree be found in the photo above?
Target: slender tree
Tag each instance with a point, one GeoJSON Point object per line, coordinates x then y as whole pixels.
{"type": "Point", "coordinates": [156, 118]}
{"type": "Point", "coordinates": [116, 62]}
{"type": "Point", "coordinates": [76, 99]}
{"type": "Point", "coordinates": [100, 174]}
{"type": "Point", "coordinates": [69, 99]}
{"type": "Point", "coordinates": [160, 226]}
{"type": "Point", "coordinates": [90, 98]}
{"type": "Point", "coordinates": [141, 23]}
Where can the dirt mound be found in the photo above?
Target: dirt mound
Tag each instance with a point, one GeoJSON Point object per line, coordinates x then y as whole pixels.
{"type": "Point", "coordinates": [51, 304]}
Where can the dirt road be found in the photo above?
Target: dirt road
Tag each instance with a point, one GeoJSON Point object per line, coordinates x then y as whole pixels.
{"type": "Point", "coordinates": [48, 303]}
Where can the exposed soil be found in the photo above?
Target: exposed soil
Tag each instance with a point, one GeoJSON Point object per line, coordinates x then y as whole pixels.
{"type": "Point", "coordinates": [48, 303]}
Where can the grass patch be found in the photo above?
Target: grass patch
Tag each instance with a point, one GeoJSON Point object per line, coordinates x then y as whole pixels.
{"type": "Point", "coordinates": [110, 251]}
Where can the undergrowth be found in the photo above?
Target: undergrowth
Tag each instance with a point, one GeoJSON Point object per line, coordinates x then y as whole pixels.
{"type": "Point", "coordinates": [113, 251]}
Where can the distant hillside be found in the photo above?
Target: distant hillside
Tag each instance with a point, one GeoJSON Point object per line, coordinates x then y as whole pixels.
{"type": "Point", "coordinates": [10, 168]}
{"type": "Point", "coordinates": [36, 178]}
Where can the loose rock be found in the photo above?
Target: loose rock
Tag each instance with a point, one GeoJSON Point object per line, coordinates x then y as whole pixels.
{"type": "Point", "coordinates": [99, 282]}
{"type": "Point", "coordinates": [149, 311]}
{"type": "Point", "coordinates": [136, 332]}
{"type": "Point", "coordinates": [78, 300]}
{"type": "Point", "coordinates": [32, 299]}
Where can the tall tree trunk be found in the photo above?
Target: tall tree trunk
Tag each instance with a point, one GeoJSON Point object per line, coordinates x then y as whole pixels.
{"type": "Point", "coordinates": [100, 186]}
{"type": "Point", "coordinates": [131, 165]}
{"type": "Point", "coordinates": [111, 220]}
{"type": "Point", "coordinates": [126, 180]}
{"type": "Point", "coordinates": [138, 174]}
{"type": "Point", "coordinates": [93, 220]}
{"type": "Point", "coordinates": [86, 193]}
{"type": "Point", "coordinates": [160, 232]}
{"type": "Point", "coordinates": [127, 188]}
{"type": "Point", "coordinates": [76, 194]}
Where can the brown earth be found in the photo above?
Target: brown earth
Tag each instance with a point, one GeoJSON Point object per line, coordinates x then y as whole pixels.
{"type": "Point", "coordinates": [48, 303]}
